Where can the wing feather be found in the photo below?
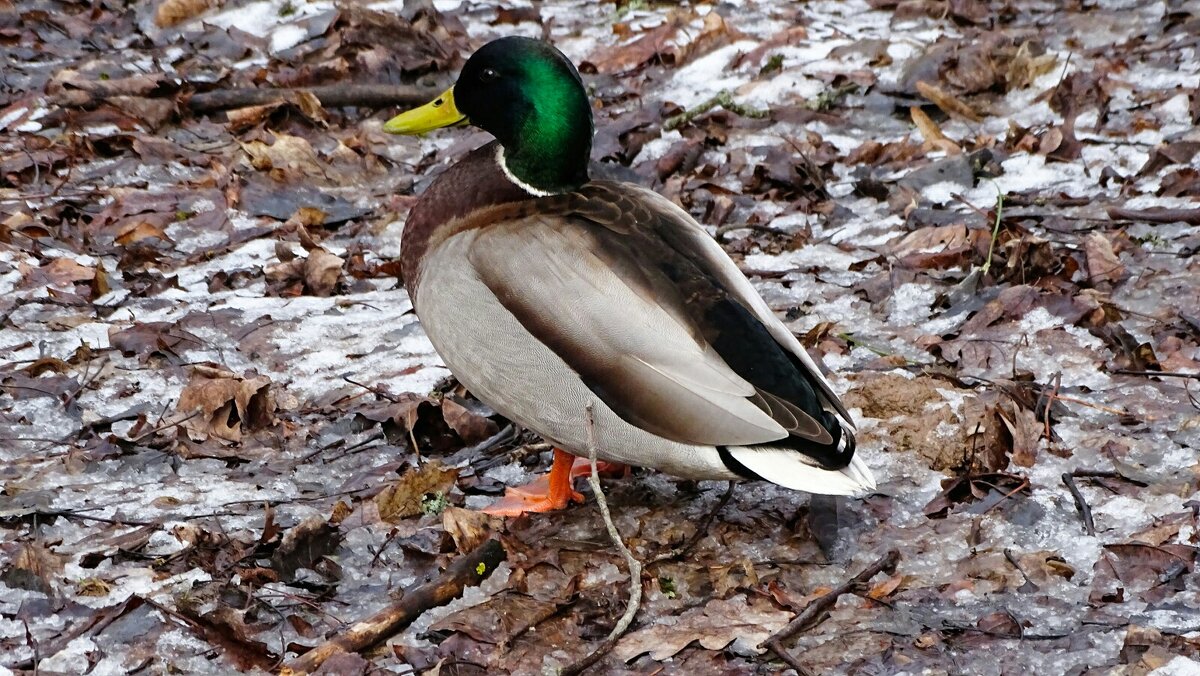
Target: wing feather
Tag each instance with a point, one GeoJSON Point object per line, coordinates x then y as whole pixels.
{"type": "Point", "coordinates": [636, 353]}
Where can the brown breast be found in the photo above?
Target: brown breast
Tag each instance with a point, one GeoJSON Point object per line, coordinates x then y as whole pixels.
{"type": "Point", "coordinates": [472, 183]}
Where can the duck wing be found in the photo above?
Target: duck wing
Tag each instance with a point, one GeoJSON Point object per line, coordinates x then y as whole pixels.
{"type": "Point", "coordinates": [660, 324]}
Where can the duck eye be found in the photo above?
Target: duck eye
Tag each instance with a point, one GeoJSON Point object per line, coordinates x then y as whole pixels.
{"type": "Point", "coordinates": [489, 75]}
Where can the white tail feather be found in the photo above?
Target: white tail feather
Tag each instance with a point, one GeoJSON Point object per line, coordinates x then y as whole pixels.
{"type": "Point", "coordinates": [786, 468]}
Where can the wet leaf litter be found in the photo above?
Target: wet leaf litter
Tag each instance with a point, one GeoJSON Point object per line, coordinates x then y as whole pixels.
{"type": "Point", "coordinates": [226, 439]}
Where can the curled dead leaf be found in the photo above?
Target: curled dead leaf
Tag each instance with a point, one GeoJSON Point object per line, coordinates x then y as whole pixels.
{"type": "Point", "coordinates": [950, 104]}
{"type": "Point", "coordinates": [885, 588]}
{"type": "Point", "coordinates": [59, 272]}
{"type": "Point", "coordinates": [467, 527]}
{"type": "Point", "coordinates": [216, 403]}
{"type": "Point", "coordinates": [1102, 262]}
{"type": "Point", "coordinates": [136, 231]}
{"type": "Point", "coordinates": [321, 272]}
{"type": "Point", "coordinates": [288, 157]}
{"type": "Point", "coordinates": [470, 425]}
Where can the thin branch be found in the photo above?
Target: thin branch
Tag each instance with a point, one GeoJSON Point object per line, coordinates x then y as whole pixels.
{"type": "Point", "coordinates": [813, 611]}
{"type": "Point", "coordinates": [468, 570]}
{"type": "Point", "coordinates": [987, 264]}
{"type": "Point", "coordinates": [1080, 504]}
{"type": "Point", "coordinates": [377, 391]}
{"type": "Point", "coordinates": [723, 99]}
{"type": "Point", "coordinates": [330, 96]}
{"type": "Point", "coordinates": [1157, 374]}
{"type": "Point", "coordinates": [635, 566]}
{"type": "Point", "coordinates": [701, 530]}
{"type": "Point", "coordinates": [1155, 215]}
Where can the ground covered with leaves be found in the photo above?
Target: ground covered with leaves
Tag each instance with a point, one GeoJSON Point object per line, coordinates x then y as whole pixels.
{"type": "Point", "coordinates": [225, 438]}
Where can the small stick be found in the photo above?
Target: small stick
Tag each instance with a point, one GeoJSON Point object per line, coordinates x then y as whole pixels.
{"type": "Point", "coordinates": [1098, 407]}
{"type": "Point", "coordinates": [1013, 560]}
{"type": "Point", "coordinates": [1158, 374]}
{"type": "Point", "coordinates": [701, 530]}
{"type": "Point", "coordinates": [722, 99]}
{"type": "Point", "coordinates": [1155, 215]}
{"type": "Point", "coordinates": [1080, 504]}
{"type": "Point", "coordinates": [635, 566]}
{"type": "Point", "coordinates": [377, 391]}
{"type": "Point", "coordinates": [1104, 474]}
{"type": "Point", "coordinates": [813, 610]}
{"type": "Point", "coordinates": [468, 570]}
{"type": "Point", "coordinates": [330, 96]}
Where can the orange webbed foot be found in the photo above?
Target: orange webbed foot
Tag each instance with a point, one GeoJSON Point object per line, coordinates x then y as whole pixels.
{"type": "Point", "coordinates": [547, 493]}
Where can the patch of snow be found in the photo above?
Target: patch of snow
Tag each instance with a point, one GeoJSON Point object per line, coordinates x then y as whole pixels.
{"type": "Point", "coordinates": [1178, 666]}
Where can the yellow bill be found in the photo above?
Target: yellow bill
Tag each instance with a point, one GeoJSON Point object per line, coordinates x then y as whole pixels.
{"type": "Point", "coordinates": [438, 113]}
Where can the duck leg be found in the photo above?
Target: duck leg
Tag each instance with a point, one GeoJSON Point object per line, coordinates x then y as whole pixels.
{"type": "Point", "coordinates": [611, 470]}
{"type": "Point", "coordinates": [547, 493]}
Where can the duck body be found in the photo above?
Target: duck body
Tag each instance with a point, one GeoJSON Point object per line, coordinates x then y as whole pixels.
{"type": "Point", "coordinates": [610, 297]}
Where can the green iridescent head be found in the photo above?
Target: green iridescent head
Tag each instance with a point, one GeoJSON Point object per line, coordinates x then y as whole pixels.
{"type": "Point", "coordinates": [529, 96]}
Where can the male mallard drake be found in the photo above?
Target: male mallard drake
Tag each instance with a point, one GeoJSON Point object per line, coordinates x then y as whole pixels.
{"type": "Point", "coordinates": [545, 291]}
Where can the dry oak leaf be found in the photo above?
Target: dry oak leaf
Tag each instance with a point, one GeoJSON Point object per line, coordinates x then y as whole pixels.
{"type": "Point", "coordinates": [321, 272]}
{"type": "Point", "coordinates": [288, 154]}
{"type": "Point", "coordinates": [217, 403]}
{"type": "Point", "coordinates": [467, 527]}
{"type": "Point", "coordinates": [670, 43]}
{"type": "Point", "coordinates": [739, 620]}
{"type": "Point", "coordinates": [60, 272]}
{"type": "Point", "coordinates": [402, 498]}
{"type": "Point", "coordinates": [1102, 262]}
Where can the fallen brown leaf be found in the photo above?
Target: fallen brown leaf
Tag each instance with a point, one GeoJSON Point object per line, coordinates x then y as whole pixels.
{"type": "Point", "coordinates": [950, 104]}
{"type": "Point", "coordinates": [303, 544]}
{"type": "Point", "coordinates": [1102, 262]}
{"type": "Point", "coordinates": [667, 43]}
{"type": "Point", "coordinates": [467, 423]}
{"type": "Point", "coordinates": [403, 497]}
{"type": "Point", "coordinates": [288, 157]}
{"type": "Point", "coordinates": [33, 566]}
{"type": "Point", "coordinates": [227, 406]}
{"type": "Point", "coordinates": [714, 625]}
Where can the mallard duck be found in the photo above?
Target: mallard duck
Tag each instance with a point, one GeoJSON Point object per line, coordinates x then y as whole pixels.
{"type": "Point", "coordinates": [549, 295]}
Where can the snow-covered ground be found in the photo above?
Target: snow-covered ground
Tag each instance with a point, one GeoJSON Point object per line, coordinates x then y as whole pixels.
{"type": "Point", "coordinates": [124, 513]}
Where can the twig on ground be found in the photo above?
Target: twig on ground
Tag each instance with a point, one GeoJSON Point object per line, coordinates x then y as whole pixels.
{"type": "Point", "coordinates": [987, 264]}
{"type": "Point", "coordinates": [723, 99]}
{"type": "Point", "coordinates": [1080, 504]}
{"type": "Point", "coordinates": [377, 391]}
{"type": "Point", "coordinates": [813, 611]}
{"type": "Point", "coordinates": [330, 96]}
{"type": "Point", "coordinates": [1046, 401]}
{"type": "Point", "coordinates": [467, 571]}
{"type": "Point", "coordinates": [1157, 374]}
{"type": "Point", "coordinates": [701, 530]}
{"type": "Point", "coordinates": [635, 566]}
{"type": "Point", "coordinates": [1155, 215]}
{"type": "Point", "coordinates": [1012, 559]}
{"type": "Point", "coordinates": [1104, 474]}
{"type": "Point", "coordinates": [162, 428]}
{"type": "Point", "coordinates": [1098, 407]}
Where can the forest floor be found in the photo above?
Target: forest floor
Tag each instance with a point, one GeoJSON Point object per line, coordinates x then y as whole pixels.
{"type": "Point", "coordinates": [225, 438]}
